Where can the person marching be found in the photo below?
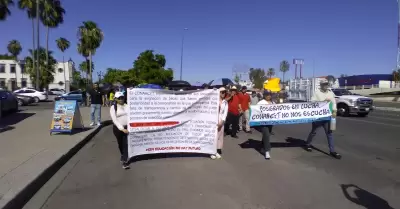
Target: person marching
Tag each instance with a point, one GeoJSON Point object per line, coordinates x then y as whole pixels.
{"type": "Point", "coordinates": [245, 101]}
{"type": "Point", "coordinates": [232, 120]}
{"type": "Point", "coordinates": [119, 116]}
{"type": "Point", "coordinates": [223, 112]}
{"type": "Point", "coordinates": [265, 130]}
{"type": "Point", "coordinates": [321, 95]}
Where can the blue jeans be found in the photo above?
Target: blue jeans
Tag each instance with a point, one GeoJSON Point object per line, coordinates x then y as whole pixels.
{"type": "Point", "coordinates": [95, 111]}
{"type": "Point", "coordinates": [328, 133]}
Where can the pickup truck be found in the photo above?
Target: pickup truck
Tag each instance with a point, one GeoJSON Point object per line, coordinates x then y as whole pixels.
{"type": "Point", "coordinates": [349, 103]}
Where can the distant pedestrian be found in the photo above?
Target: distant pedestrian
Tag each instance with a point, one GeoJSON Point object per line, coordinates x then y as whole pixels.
{"type": "Point", "coordinates": [266, 133]}
{"type": "Point", "coordinates": [254, 98]}
{"type": "Point", "coordinates": [84, 99]}
{"type": "Point", "coordinates": [321, 95]}
{"type": "Point", "coordinates": [244, 99]}
{"type": "Point", "coordinates": [119, 115]}
{"type": "Point", "coordinates": [97, 99]}
{"type": "Point", "coordinates": [223, 112]}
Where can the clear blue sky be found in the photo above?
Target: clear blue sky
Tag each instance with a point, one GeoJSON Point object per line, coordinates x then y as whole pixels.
{"type": "Point", "coordinates": [342, 36]}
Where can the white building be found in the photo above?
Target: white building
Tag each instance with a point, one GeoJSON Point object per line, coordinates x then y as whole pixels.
{"type": "Point", "coordinates": [13, 75]}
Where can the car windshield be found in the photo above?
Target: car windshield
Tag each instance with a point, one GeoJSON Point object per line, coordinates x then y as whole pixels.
{"type": "Point", "coordinates": [341, 92]}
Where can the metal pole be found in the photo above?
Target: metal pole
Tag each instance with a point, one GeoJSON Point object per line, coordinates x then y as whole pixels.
{"type": "Point", "coordinates": [38, 44]}
{"type": "Point", "coordinates": [183, 39]}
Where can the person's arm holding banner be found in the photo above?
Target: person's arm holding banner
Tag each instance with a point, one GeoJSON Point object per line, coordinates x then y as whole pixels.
{"type": "Point", "coordinates": [333, 101]}
{"type": "Point", "coordinates": [113, 115]}
{"type": "Point", "coordinates": [222, 118]}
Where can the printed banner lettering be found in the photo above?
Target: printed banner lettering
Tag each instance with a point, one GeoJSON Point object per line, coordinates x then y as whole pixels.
{"type": "Point", "coordinates": [289, 113]}
{"type": "Point", "coordinates": [163, 121]}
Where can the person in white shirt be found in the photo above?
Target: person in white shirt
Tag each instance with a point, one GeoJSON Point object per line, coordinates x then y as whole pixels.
{"type": "Point", "coordinates": [119, 116]}
{"type": "Point", "coordinates": [265, 130]}
{"type": "Point", "coordinates": [223, 112]}
{"type": "Point", "coordinates": [320, 95]}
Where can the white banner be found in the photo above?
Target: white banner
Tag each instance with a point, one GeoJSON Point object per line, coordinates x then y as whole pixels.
{"type": "Point", "coordinates": [164, 121]}
{"type": "Point", "coordinates": [289, 113]}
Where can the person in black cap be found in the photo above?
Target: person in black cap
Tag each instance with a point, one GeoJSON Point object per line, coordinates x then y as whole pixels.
{"type": "Point", "coordinates": [267, 99]}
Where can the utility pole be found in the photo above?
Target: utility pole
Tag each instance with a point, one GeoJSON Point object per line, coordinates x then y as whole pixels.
{"type": "Point", "coordinates": [183, 39]}
{"type": "Point", "coordinates": [38, 44]}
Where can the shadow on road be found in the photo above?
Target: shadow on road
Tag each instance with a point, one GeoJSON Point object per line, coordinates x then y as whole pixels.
{"type": "Point", "coordinates": [8, 121]}
{"type": "Point", "coordinates": [166, 155]}
{"type": "Point", "coordinates": [364, 198]}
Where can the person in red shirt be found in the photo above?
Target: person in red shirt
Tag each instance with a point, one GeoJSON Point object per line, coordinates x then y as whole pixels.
{"type": "Point", "coordinates": [234, 110]}
{"type": "Point", "coordinates": [244, 105]}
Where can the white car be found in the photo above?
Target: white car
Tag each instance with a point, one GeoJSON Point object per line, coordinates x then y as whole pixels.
{"type": "Point", "coordinates": [57, 91]}
{"type": "Point", "coordinates": [349, 103]}
{"type": "Point", "coordinates": [37, 95]}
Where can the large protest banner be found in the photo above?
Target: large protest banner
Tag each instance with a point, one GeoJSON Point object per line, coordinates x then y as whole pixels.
{"type": "Point", "coordinates": [289, 113]}
{"type": "Point", "coordinates": [164, 121]}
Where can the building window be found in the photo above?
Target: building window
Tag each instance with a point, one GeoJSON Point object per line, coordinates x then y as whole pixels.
{"type": "Point", "coordinates": [2, 83]}
{"type": "Point", "coordinates": [60, 70]}
{"type": "Point", "coordinates": [22, 66]}
{"type": "Point", "coordinates": [24, 82]}
{"type": "Point", "coordinates": [12, 68]}
{"type": "Point", "coordinates": [2, 68]}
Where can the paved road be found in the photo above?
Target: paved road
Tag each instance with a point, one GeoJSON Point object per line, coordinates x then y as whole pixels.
{"type": "Point", "coordinates": [293, 178]}
{"type": "Point", "coordinates": [387, 104]}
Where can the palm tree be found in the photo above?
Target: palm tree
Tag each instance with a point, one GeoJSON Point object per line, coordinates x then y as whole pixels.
{"type": "Point", "coordinates": [63, 44]}
{"type": "Point", "coordinates": [4, 9]}
{"type": "Point", "coordinates": [284, 67]}
{"type": "Point", "coordinates": [270, 72]}
{"type": "Point", "coordinates": [30, 7]}
{"type": "Point", "coordinates": [46, 73]}
{"type": "Point", "coordinates": [52, 15]}
{"type": "Point", "coordinates": [14, 48]}
{"type": "Point", "coordinates": [90, 38]}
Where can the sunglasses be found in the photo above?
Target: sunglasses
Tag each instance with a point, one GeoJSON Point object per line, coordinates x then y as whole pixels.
{"type": "Point", "coordinates": [120, 98]}
{"type": "Point", "coordinates": [223, 92]}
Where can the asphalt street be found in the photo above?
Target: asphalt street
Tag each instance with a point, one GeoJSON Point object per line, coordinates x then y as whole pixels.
{"type": "Point", "coordinates": [368, 175]}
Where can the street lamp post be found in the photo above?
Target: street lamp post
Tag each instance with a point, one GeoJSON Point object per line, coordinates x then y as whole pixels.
{"type": "Point", "coordinates": [183, 39]}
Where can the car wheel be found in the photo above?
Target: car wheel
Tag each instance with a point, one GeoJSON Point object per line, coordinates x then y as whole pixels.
{"type": "Point", "coordinates": [36, 99]}
{"type": "Point", "coordinates": [20, 102]}
{"type": "Point", "coordinates": [343, 110]}
{"type": "Point", "coordinates": [363, 114]}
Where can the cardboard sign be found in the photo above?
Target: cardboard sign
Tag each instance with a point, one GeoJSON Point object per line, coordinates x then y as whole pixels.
{"type": "Point", "coordinates": [66, 117]}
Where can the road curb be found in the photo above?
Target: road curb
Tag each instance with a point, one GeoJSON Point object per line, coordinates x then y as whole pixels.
{"type": "Point", "coordinates": [29, 190]}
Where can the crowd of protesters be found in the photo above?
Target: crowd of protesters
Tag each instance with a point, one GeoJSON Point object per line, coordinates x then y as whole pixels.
{"type": "Point", "coordinates": [233, 116]}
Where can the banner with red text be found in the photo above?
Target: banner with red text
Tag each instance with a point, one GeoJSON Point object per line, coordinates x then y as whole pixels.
{"type": "Point", "coordinates": [164, 121]}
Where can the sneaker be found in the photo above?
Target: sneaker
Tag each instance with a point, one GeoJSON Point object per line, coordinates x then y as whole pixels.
{"type": "Point", "coordinates": [213, 157]}
{"type": "Point", "coordinates": [308, 148]}
{"type": "Point", "coordinates": [125, 165]}
{"type": "Point", "coordinates": [92, 124]}
{"type": "Point", "coordinates": [267, 156]}
{"type": "Point", "coordinates": [98, 124]}
{"type": "Point", "coordinates": [218, 156]}
{"type": "Point", "coordinates": [336, 155]}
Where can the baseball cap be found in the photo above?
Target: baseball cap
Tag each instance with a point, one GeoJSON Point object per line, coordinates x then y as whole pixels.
{"type": "Point", "coordinates": [119, 94]}
{"type": "Point", "coordinates": [233, 88]}
{"type": "Point", "coordinates": [222, 89]}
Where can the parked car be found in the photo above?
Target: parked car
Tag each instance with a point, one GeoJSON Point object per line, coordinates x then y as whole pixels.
{"type": "Point", "coordinates": [57, 91]}
{"type": "Point", "coordinates": [37, 95]}
{"type": "Point", "coordinates": [9, 102]}
{"type": "Point", "coordinates": [24, 100]}
{"type": "Point", "coordinates": [73, 95]}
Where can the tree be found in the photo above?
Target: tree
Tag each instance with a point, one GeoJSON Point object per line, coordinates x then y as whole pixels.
{"type": "Point", "coordinates": [52, 15]}
{"type": "Point", "coordinates": [6, 57]}
{"type": "Point", "coordinates": [84, 68]}
{"type": "Point", "coordinates": [4, 9]}
{"type": "Point", "coordinates": [90, 38]}
{"type": "Point", "coordinates": [46, 72]}
{"type": "Point", "coordinates": [150, 68]}
{"type": "Point", "coordinates": [63, 44]}
{"type": "Point", "coordinates": [14, 48]}
{"type": "Point", "coordinates": [284, 67]}
{"type": "Point", "coordinates": [270, 72]}
{"type": "Point", "coordinates": [30, 7]}
{"type": "Point", "coordinates": [257, 77]}
{"type": "Point", "coordinates": [331, 79]}
{"type": "Point", "coordinates": [236, 79]}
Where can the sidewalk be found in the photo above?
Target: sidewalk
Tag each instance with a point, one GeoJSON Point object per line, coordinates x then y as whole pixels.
{"type": "Point", "coordinates": [29, 154]}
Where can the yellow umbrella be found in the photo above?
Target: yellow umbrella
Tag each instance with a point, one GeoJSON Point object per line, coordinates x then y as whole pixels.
{"type": "Point", "coordinates": [272, 84]}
